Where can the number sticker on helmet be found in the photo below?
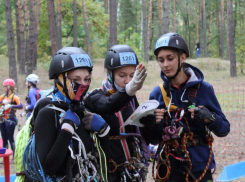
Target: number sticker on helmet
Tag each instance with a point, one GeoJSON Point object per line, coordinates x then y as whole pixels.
{"type": "Point", "coordinates": [81, 60]}
{"type": "Point", "coordinates": [127, 58]}
{"type": "Point", "coordinates": [163, 41]}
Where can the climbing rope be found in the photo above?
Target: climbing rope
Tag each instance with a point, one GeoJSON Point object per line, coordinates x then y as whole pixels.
{"type": "Point", "coordinates": [169, 144]}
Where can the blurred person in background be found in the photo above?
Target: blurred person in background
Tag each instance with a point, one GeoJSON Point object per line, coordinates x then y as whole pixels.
{"type": "Point", "coordinates": [9, 103]}
{"type": "Point", "coordinates": [33, 93]}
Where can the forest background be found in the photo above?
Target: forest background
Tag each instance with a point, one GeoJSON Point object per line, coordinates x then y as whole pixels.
{"type": "Point", "coordinates": [33, 30]}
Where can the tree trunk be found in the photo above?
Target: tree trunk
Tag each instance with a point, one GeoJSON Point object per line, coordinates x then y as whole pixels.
{"type": "Point", "coordinates": [26, 20]}
{"type": "Point", "coordinates": [204, 28]}
{"type": "Point", "coordinates": [59, 20]}
{"type": "Point", "coordinates": [74, 23]}
{"type": "Point", "coordinates": [32, 32]}
{"type": "Point", "coordinates": [210, 22]}
{"type": "Point", "coordinates": [230, 27]}
{"type": "Point", "coordinates": [166, 17]}
{"type": "Point", "coordinates": [200, 28]}
{"type": "Point", "coordinates": [21, 47]}
{"type": "Point", "coordinates": [10, 40]}
{"type": "Point", "coordinates": [113, 23]}
{"type": "Point", "coordinates": [160, 17]}
{"type": "Point", "coordinates": [228, 41]}
{"type": "Point", "coordinates": [17, 30]}
{"type": "Point", "coordinates": [52, 27]}
{"type": "Point", "coordinates": [197, 36]}
{"type": "Point", "coordinates": [222, 29]}
{"type": "Point", "coordinates": [145, 37]}
{"type": "Point", "coordinates": [149, 25]}
{"type": "Point", "coordinates": [86, 28]}
{"type": "Point", "coordinates": [174, 16]}
{"type": "Point", "coordinates": [38, 8]}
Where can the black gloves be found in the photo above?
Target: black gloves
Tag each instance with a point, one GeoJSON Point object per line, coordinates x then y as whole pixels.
{"type": "Point", "coordinates": [204, 116]}
{"type": "Point", "coordinates": [148, 121]}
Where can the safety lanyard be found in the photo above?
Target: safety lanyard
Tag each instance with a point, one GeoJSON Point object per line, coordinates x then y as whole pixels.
{"type": "Point", "coordinates": [123, 141]}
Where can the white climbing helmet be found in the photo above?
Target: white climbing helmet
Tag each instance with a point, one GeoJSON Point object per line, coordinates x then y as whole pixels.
{"type": "Point", "coordinates": [32, 78]}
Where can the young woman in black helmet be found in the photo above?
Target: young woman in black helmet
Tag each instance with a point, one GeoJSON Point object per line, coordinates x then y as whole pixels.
{"type": "Point", "coordinates": [115, 101]}
{"type": "Point", "coordinates": [188, 112]}
{"type": "Point", "coordinates": [63, 143]}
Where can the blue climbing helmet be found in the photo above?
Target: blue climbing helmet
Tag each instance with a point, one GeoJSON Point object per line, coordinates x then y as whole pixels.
{"type": "Point", "coordinates": [119, 56]}
{"type": "Point", "coordinates": [69, 58]}
{"type": "Point", "coordinates": [175, 42]}
{"type": "Point", "coordinates": [65, 60]}
{"type": "Point", "coordinates": [171, 41]}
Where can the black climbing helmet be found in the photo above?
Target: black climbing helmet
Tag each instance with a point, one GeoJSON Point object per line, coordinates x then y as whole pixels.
{"type": "Point", "coordinates": [69, 58]}
{"type": "Point", "coordinates": [120, 56]}
{"type": "Point", "coordinates": [173, 41]}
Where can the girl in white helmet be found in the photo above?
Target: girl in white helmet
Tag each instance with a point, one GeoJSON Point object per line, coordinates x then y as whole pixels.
{"type": "Point", "coordinates": [33, 93]}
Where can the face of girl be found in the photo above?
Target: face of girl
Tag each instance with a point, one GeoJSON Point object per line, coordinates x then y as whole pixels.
{"type": "Point", "coordinates": [5, 89]}
{"type": "Point", "coordinates": [80, 76]}
{"type": "Point", "coordinates": [124, 75]}
{"type": "Point", "coordinates": [168, 61]}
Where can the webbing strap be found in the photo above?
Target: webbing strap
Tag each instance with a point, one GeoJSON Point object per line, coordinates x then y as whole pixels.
{"type": "Point", "coordinates": [192, 92]}
{"type": "Point", "coordinates": [102, 157]}
{"type": "Point", "coordinates": [123, 141]}
{"type": "Point", "coordinates": [166, 99]}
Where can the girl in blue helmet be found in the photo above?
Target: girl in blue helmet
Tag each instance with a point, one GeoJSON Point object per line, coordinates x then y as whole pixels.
{"type": "Point", "coordinates": [188, 114]}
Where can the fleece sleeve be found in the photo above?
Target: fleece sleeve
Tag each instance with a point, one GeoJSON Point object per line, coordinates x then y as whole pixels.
{"type": "Point", "coordinates": [221, 126]}
{"type": "Point", "coordinates": [51, 149]}
{"type": "Point", "coordinates": [33, 99]}
{"type": "Point", "coordinates": [102, 104]}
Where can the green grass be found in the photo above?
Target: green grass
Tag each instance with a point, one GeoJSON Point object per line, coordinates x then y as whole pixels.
{"type": "Point", "coordinates": [215, 71]}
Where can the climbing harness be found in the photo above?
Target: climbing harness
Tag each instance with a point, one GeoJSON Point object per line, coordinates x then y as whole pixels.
{"type": "Point", "coordinates": [175, 141]}
{"type": "Point", "coordinates": [89, 169]}
{"type": "Point", "coordinates": [135, 167]}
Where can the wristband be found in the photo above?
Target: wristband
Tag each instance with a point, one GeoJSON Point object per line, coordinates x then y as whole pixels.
{"type": "Point", "coordinates": [68, 127]}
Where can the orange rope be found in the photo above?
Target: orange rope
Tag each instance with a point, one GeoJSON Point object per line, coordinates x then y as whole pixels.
{"type": "Point", "coordinates": [173, 144]}
{"type": "Point", "coordinates": [118, 137]}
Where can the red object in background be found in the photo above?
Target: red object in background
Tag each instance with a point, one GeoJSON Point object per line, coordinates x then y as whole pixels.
{"type": "Point", "coordinates": [6, 164]}
{"type": "Point", "coordinates": [1, 143]}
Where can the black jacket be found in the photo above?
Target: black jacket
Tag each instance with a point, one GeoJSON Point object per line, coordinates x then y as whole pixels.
{"type": "Point", "coordinates": [106, 106]}
{"type": "Point", "coordinates": [52, 142]}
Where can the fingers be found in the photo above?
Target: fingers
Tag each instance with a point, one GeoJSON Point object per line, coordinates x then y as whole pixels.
{"type": "Point", "coordinates": [159, 113]}
{"type": "Point", "coordinates": [140, 67]}
{"type": "Point", "coordinates": [194, 111]}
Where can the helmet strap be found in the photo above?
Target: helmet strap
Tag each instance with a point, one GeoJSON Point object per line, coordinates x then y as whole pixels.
{"type": "Point", "coordinates": [179, 67]}
{"type": "Point", "coordinates": [110, 76]}
{"type": "Point", "coordinates": [65, 90]}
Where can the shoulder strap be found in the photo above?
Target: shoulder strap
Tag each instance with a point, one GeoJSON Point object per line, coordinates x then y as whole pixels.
{"type": "Point", "coordinates": [12, 98]}
{"type": "Point", "coordinates": [192, 92]}
{"type": "Point", "coordinates": [38, 94]}
{"type": "Point", "coordinates": [166, 99]}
